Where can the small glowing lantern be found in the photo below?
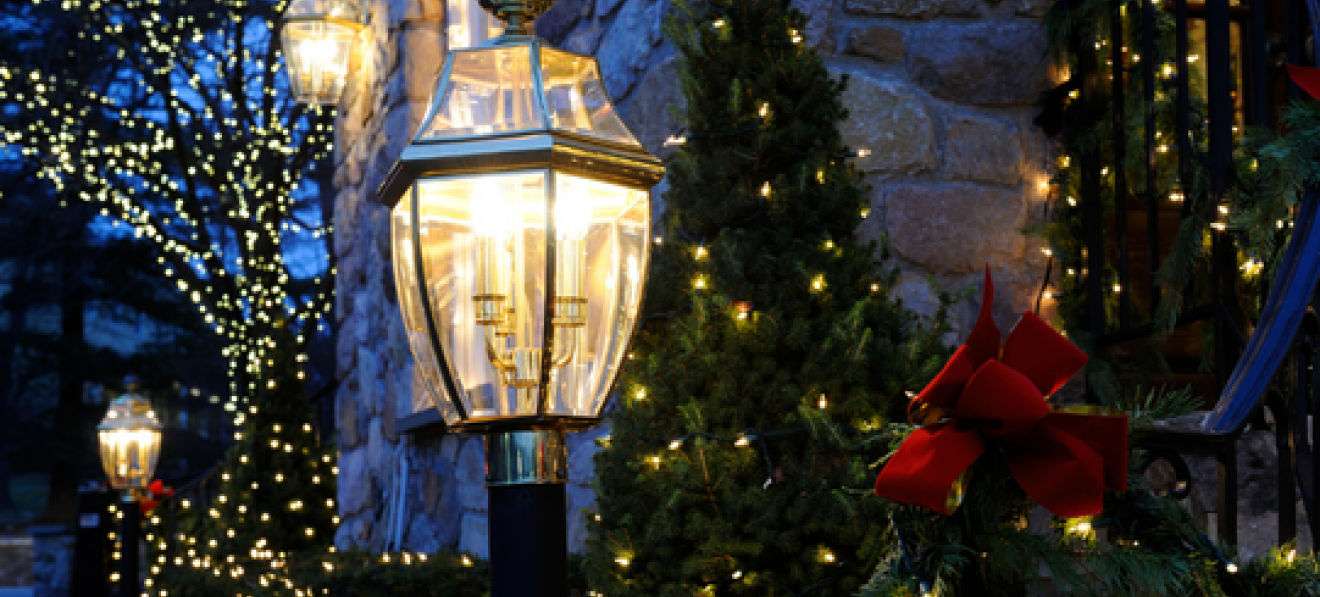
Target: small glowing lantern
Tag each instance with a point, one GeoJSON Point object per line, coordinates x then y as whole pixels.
{"type": "Point", "coordinates": [320, 38]}
{"type": "Point", "coordinates": [130, 441]}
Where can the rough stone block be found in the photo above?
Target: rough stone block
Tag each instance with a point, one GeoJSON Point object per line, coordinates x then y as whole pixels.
{"type": "Point", "coordinates": [346, 407]}
{"type": "Point", "coordinates": [584, 40]}
{"type": "Point", "coordinates": [647, 115]}
{"type": "Point", "coordinates": [346, 346]}
{"type": "Point", "coordinates": [421, 44]}
{"type": "Point", "coordinates": [916, 293]}
{"type": "Point", "coordinates": [355, 483]}
{"type": "Point", "coordinates": [879, 42]}
{"type": "Point", "coordinates": [956, 228]}
{"type": "Point", "coordinates": [914, 9]}
{"type": "Point", "coordinates": [470, 474]}
{"type": "Point", "coordinates": [982, 63]}
{"type": "Point", "coordinates": [475, 536]}
{"type": "Point", "coordinates": [580, 498]}
{"type": "Point", "coordinates": [389, 412]}
{"type": "Point", "coordinates": [1031, 8]}
{"type": "Point", "coordinates": [981, 149]}
{"type": "Point", "coordinates": [422, 536]}
{"type": "Point", "coordinates": [888, 118]}
{"type": "Point", "coordinates": [605, 7]}
{"type": "Point", "coordinates": [624, 53]}
{"type": "Point", "coordinates": [820, 24]}
{"type": "Point", "coordinates": [581, 463]}
{"type": "Point", "coordinates": [353, 533]}
{"type": "Point", "coordinates": [381, 455]}
{"type": "Point", "coordinates": [368, 368]}
{"type": "Point", "coordinates": [558, 22]}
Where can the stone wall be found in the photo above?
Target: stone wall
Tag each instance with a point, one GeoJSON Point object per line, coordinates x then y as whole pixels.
{"type": "Point", "coordinates": [941, 92]}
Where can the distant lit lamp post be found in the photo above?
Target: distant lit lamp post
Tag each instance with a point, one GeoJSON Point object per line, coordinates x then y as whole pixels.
{"type": "Point", "coordinates": [320, 38]}
{"type": "Point", "coordinates": [521, 229]}
{"type": "Point", "coordinates": [130, 441]}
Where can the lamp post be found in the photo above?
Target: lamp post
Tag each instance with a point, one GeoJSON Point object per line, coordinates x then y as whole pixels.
{"type": "Point", "coordinates": [130, 441]}
{"type": "Point", "coordinates": [521, 233]}
{"type": "Point", "coordinates": [320, 37]}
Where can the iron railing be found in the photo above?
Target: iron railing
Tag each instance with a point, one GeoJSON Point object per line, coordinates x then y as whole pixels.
{"type": "Point", "coordinates": [1265, 382]}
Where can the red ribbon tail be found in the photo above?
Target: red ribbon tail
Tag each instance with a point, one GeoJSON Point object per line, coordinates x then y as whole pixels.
{"type": "Point", "coordinates": [1307, 78]}
{"type": "Point", "coordinates": [1106, 434]}
{"type": "Point", "coordinates": [145, 506]}
{"type": "Point", "coordinates": [924, 469]}
{"type": "Point", "coordinates": [1059, 471]}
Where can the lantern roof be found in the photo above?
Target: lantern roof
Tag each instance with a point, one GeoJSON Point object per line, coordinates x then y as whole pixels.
{"type": "Point", "coordinates": [345, 10]}
{"type": "Point", "coordinates": [129, 411]}
{"type": "Point", "coordinates": [518, 103]}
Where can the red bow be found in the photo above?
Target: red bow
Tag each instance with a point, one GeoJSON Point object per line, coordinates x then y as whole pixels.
{"type": "Point", "coordinates": [157, 490]}
{"type": "Point", "coordinates": [1063, 460]}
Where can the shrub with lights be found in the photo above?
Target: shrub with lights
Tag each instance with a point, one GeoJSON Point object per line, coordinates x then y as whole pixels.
{"type": "Point", "coordinates": [773, 357]}
{"type": "Point", "coordinates": [276, 496]}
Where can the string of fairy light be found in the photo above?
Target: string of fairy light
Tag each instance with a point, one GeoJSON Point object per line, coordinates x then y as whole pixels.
{"type": "Point", "coordinates": [192, 147]}
{"type": "Point", "coordinates": [207, 176]}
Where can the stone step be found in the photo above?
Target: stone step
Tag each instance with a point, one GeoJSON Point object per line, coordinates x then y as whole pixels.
{"type": "Point", "coordinates": [15, 561]}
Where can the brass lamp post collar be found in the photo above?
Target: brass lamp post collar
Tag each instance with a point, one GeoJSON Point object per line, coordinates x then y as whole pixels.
{"type": "Point", "coordinates": [517, 13]}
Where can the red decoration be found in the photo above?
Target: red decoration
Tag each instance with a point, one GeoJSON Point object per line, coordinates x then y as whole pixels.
{"type": "Point", "coordinates": [1307, 78]}
{"type": "Point", "coordinates": [1063, 460]}
{"type": "Point", "coordinates": [157, 491]}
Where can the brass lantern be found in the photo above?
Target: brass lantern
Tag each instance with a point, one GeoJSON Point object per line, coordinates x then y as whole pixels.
{"type": "Point", "coordinates": [320, 38]}
{"type": "Point", "coordinates": [130, 441]}
{"type": "Point", "coordinates": [521, 221]}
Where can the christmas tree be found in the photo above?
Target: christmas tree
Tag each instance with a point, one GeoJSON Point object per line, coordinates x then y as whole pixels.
{"type": "Point", "coordinates": [761, 388]}
{"type": "Point", "coordinates": [276, 490]}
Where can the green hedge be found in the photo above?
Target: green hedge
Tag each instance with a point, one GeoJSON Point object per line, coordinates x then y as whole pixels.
{"type": "Point", "coordinates": [345, 574]}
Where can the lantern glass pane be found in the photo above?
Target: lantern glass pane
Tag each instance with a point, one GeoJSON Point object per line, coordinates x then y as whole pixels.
{"type": "Point", "coordinates": [489, 90]}
{"type": "Point", "coordinates": [414, 318]}
{"type": "Point", "coordinates": [606, 226]}
{"type": "Point", "coordinates": [485, 251]}
{"type": "Point", "coordinates": [576, 98]}
{"type": "Point", "coordinates": [318, 53]}
{"type": "Point", "coordinates": [485, 236]}
{"type": "Point", "coordinates": [130, 442]}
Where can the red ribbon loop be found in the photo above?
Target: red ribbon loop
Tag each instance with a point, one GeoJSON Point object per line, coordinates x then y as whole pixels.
{"type": "Point", "coordinates": [1063, 460]}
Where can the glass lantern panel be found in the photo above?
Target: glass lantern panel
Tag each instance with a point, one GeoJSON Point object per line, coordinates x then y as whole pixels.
{"type": "Point", "coordinates": [484, 245]}
{"type": "Point", "coordinates": [414, 317]}
{"type": "Point", "coordinates": [576, 98]}
{"type": "Point", "coordinates": [130, 442]}
{"type": "Point", "coordinates": [129, 456]}
{"type": "Point", "coordinates": [606, 227]}
{"type": "Point", "coordinates": [318, 54]}
{"type": "Point", "coordinates": [469, 25]}
{"type": "Point", "coordinates": [489, 90]}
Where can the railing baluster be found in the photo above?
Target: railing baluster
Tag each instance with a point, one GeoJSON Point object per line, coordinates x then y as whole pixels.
{"type": "Point", "coordinates": [1184, 127]}
{"type": "Point", "coordinates": [1148, 65]}
{"type": "Point", "coordinates": [1118, 99]}
{"type": "Point", "coordinates": [1092, 210]}
{"type": "Point", "coordinates": [1259, 98]}
{"type": "Point", "coordinates": [1227, 491]}
{"type": "Point", "coordinates": [1218, 62]}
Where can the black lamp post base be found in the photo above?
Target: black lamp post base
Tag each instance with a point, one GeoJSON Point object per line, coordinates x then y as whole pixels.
{"type": "Point", "coordinates": [526, 471]}
{"type": "Point", "coordinates": [528, 541]}
{"type": "Point", "coordinates": [129, 530]}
